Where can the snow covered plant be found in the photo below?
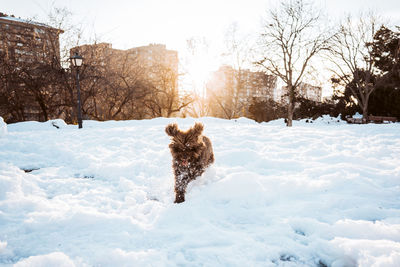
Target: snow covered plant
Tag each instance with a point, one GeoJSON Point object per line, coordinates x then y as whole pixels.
{"type": "Point", "coordinates": [191, 153]}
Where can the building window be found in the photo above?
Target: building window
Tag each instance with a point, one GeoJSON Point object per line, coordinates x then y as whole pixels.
{"type": "Point", "coordinates": [37, 30]}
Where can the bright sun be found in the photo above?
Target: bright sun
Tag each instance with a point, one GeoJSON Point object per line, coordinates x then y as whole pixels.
{"type": "Point", "coordinates": [199, 74]}
{"type": "Point", "coordinates": [199, 71]}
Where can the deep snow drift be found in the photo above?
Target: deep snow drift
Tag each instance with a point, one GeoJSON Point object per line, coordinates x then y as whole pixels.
{"type": "Point", "coordinates": [320, 194]}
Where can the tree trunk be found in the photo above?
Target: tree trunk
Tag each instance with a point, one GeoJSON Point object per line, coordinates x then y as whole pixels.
{"type": "Point", "coordinates": [289, 122]}
{"type": "Point", "coordinates": [42, 106]}
{"type": "Point", "coordinates": [365, 110]}
{"type": "Point", "coordinates": [365, 94]}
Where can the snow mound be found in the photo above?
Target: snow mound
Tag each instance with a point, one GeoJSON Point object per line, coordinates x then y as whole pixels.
{"type": "Point", "coordinates": [35, 125]}
{"type": "Point", "coordinates": [3, 127]}
{"type": "Point", "coordinates": [58, 259]}
{"type": "Point", "coordinates": [324, 120]}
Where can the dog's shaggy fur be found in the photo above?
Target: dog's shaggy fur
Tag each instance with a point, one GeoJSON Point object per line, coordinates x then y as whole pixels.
{"type": "Point", "coordinates": [191, 153]}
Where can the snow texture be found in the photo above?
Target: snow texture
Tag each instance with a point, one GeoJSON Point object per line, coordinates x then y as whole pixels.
{"type": "Point", "coordinates": [25, 21]}
{"type": "Point", "coordinates": [317, 194]}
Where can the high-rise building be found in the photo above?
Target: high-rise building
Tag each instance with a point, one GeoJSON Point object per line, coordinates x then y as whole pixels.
{"type": "Point", "coordinates": [310, 92]}
{"type": "Point", "coordinates": [28, 41]}
{"type": "Point", "coordinates": [28, 50]}
{"type": "Point", "coordinates": [231, 91]}
{"type": "Point", "coordinates": [144, 56]}
{"type": "Point", "coordinates": [304, 90]}
{"type": "Point", "coordinates": [243, 84]}
{"type": "Point", "coordinates": [146, 76]}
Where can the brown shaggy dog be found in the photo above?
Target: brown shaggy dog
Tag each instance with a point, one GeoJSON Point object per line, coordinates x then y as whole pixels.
{"type": "Point", "coordinates": [191, 153]}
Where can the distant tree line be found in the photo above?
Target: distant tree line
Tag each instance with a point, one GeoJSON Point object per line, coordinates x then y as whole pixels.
{"type": "Point", "coordinates": [40, 85]}
{"type": "Point", "coordinates": [373, 90]}
{"type": "Point", "coordinates": [43, 88]}
{"type": "Point", "coordinates": [121, 87]}
{"type": "Point", "coordinates": [381, 81]}
{"type": "Point", "coordinates": [363, 55]}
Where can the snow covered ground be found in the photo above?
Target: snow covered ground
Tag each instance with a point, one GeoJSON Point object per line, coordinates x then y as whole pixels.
{"type": "Point", "coordinates": [317, 194]}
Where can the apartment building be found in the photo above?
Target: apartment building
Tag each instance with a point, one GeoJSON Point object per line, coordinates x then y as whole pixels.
{"type": "Point", "coordinates": [243, 84]}
{"type": "Point", "coordinates": [27, 48]}
{"type": "Point", "coordinates": [304, 90]}
{"type": "Point", "coordinates": [146, 77]}
{"type": "Point", "coordinates": [231, 91]}
{"type": "Point", "coordinates": [145, 57]}
{"type": "Point", "coordinates": [28, 41]}
{"type": "Point", "coordinates": [310, 92]}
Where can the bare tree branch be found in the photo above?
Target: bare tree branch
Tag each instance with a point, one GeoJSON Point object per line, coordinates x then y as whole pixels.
{"type": "Point", "coordinates": [292, 29]}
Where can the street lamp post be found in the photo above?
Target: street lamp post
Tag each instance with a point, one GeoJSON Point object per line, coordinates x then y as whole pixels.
{"type": "Point", "coordinates": [76, 61]}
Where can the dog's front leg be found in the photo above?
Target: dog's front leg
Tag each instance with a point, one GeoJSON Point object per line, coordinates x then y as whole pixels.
{"type": "Point", "coordinates": [179, 196]}
{"type": "Point", "coordinates": [180, 190]}
{"type": "Point", "coordinates": [181, 182]}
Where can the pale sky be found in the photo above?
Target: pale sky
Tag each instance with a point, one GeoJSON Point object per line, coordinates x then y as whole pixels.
{"type": "Point", "coordinates": [128, 24]}
{"type": "Point", "coordinates": [134, 23]}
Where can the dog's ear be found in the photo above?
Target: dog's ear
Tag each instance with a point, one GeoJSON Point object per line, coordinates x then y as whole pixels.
{"type": "Point", "coordinates": [198, 128]}
{"type": "Point", "coordinates": [172, 129]}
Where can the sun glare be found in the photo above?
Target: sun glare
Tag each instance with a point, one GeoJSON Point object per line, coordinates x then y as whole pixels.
{"type": "Point", "coordinates": [199, 72]}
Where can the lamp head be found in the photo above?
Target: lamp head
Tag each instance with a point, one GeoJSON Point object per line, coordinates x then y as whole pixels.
{"type": "Point", "coordinates": [76, 60]}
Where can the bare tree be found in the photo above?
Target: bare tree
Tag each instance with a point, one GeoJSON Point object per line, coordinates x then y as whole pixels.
{"type": "Point", "coordinates": [112, 83]}
{"type": "Point", "coordinates": [164, 99]}
{"type": "Point", "coordinates": [74, 32]}
{"type": "Point", "coordinates": [30, 72]}
{"type": "Point", "coordinates": [351, 55]}
{"type": "Point", "coordinates": [238, 47]}
{"type": "Point", "coordinates": [291, 37]}
{"type": "Point", "coordinates": [13, 101]}
{"type": "Point", "coordinates": [227, 90]}
{"type": "Point", "coordinates": [196, 48]}
{"type": "Point", "coordinates": [230, 91]}
{"type": "Point", "coordinates": [61, 19]}
{"type": "Point", "coordinates": [198, 108]}
{"type": "Point", "coordinates": [222, 93]}
{"type": "Point", "coordinates": [238, 51]}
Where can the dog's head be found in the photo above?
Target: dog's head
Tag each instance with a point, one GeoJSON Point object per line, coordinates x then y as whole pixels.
{"type": "Point", "coordinates": [186, 146]}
